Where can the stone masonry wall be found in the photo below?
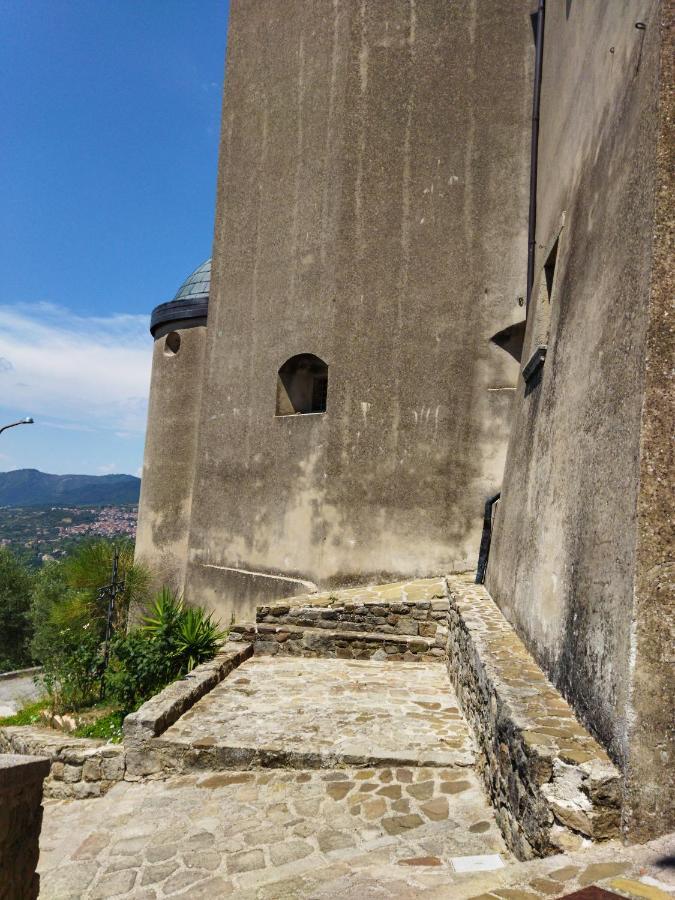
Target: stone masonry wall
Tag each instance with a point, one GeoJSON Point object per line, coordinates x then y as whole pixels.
{"type": "Point", "coordinates": [20, 823]}
{"type": "Point", "coordinates": [292, 640]}
{"type": "Point", "coordinates": [550, 782]}
{"type": "Point", "coordinates": [80, 768]}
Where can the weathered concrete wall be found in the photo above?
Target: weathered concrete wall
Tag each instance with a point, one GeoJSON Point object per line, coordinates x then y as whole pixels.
{"type": "Point", "coordinates": [563, 563]}
{"type": "Point", "coordinates": [372, 211]}
{"type": "Point", "coordinates": [169, 459]}
{"type": "Point", "coordinates": [20, 824]}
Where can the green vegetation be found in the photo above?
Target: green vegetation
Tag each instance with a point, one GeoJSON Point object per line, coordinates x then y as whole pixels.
{"type": "Point", "coordinates": [29, 715]}
{"type": "Point", "coordinates": [106, 728]}
{"type": "Point", "coordinates": [57, 617]}
{"type": "Point", "coordinates": [171, 641]}
{"type": "Point", "coordinates": [15, 625]}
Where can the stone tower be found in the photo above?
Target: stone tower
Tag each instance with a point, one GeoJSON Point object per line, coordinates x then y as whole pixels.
{"type": "Point", "coordinates": [343, 416]}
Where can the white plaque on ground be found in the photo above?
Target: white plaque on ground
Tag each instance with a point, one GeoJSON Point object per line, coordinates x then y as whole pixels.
{"type": "Point", "coordinates": [484, 863]}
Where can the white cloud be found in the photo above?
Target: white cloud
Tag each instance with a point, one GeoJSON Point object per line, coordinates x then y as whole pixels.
{"type": "Point", "coordinates": [83, 373]}
{"type": "Point", "coordinates": [108, 469]}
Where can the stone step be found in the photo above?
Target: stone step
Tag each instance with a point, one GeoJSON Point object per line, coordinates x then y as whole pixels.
{"type": "Point", "coordinates": [297, 640]}
{"type": "Point", "coordinates": [415, 609]}
{"type": "Point", "coordinates": [288, 712]}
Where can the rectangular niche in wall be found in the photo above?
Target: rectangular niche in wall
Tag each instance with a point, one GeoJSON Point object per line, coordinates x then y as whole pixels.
{"type": "Point", "coordinates": [302, 386]}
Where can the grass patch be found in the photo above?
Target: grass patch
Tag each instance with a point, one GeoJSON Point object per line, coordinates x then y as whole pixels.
{"type": "Point", "coordinates": [107, 728]}
{"type": "Point", "coordinates": [29, 715]}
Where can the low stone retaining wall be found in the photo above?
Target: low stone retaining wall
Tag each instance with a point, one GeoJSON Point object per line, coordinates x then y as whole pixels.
{"type": "Point", "coordinates": [20, 822]}
{"type": "Point", "coordinates": [290, 640]}
{"type": "Point", "coordinates": [414, 618]}
{"type": "Point", "coordinates": [20, 673]}
{"type": "Point", "coordinates": [550, 782]}
{"type": "Point", "coordinates": [79, 767]}
{"type": "Point", "coordinates": [168, 706]}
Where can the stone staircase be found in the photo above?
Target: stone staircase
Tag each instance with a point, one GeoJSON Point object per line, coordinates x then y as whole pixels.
{"type": "Point", "coordinates": [424, 674]}
{"type": "Point", "coordinates": [404, 621]}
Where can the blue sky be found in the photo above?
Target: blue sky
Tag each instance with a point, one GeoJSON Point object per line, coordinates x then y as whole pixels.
{"type": "Point", "coordinates": [109, 147]}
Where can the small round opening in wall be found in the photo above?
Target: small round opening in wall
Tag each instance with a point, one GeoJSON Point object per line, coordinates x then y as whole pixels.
{"type": "Point", "coordinates": [171, 343]}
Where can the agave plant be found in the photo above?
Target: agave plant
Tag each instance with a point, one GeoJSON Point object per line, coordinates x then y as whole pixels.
{"type": "Point", "coordinates": [197, 638]}
{"type": "Point", "coordinates": [188, 633]}
{"type": "Point", "coordinates": [162, 618]}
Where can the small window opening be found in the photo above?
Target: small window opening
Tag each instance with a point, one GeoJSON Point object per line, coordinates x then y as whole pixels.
{"type": "Point", "coordinates": [541, 316]}
{"type": "Point", "coordinates": [302, 386]}
{"type": "Point", "coordinates": [171, 343]}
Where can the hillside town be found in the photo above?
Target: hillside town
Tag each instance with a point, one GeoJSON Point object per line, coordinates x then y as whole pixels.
{"type": "Point", "coordinates": [40, 534]}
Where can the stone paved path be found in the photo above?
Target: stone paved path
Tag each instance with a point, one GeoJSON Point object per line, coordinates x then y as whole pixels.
{"type": "Point", "coordinates": [345, 711]}
{"type": "Point", "coordinates": [341, 834]}
{"type": "Point", "coordinates": [264, 833]}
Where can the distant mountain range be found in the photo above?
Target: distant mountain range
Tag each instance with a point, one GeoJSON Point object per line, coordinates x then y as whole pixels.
{"type": "Point", "coordinates": [28, 487]}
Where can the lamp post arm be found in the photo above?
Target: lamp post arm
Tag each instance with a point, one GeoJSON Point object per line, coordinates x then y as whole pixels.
{"type": "Point", "coordinates": [27, 421]}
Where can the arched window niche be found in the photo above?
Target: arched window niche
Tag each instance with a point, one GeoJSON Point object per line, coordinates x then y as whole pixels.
{"type": "Point", "coordinates": [302, 386]}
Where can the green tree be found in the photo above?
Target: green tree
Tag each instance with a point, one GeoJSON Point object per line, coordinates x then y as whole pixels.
{"type": "Point", "coordinates": [15, 622]}
{"type": "Point", "coordinates": [69, 618]}
{"type": "Point", "coordinates": [50, 589]}
{"type": "Point", "coordinates": [90, 567]}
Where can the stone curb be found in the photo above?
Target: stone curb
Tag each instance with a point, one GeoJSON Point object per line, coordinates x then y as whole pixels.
{"type": "Point", "coordinates": [165, 708]}
{"type": "Point", "coordinates": [551, 784]}
{"type": "Point", "coordinates": [180, 758]}
{"type": "Point", "coordinates": [20, 673]}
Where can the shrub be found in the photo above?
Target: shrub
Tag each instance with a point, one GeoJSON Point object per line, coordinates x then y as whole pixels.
{"type": "Point", "coordinates": [197, 638]}
{"type": "Point", "coordinates": [139, 667]}
{"type": "Point", "coordinates": [188, 633]}
{"type": "Point", "coordinates": [69, 619]}
{"type": "Point", "coordinates": [15, 623]}
{"type": "Point", "coordinates": [171, 641]}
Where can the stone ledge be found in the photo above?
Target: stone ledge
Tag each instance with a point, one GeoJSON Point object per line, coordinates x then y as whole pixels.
{"type": "Point", "coordinates": [79, 768]}
{"type": "Point", "coordinates": [165, 708]}
{"type": "Point", "coordinates": [17, 770]}
{"type": "Point", "coordinates": [414, 608]}
{"type": "Point", "coordinates": [419, 590]}
{"type": "Point", "coordinates": [20, 822]}
{"type": "Point", "coordinates": [551, 784]}
{"type": "Point", "coordinates": [174, 757]}
{"type": "Point", "coordinates": [295, 640]}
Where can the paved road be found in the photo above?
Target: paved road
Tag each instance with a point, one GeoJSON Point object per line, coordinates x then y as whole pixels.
{"type": "Point", "coordinates": [16, 693]}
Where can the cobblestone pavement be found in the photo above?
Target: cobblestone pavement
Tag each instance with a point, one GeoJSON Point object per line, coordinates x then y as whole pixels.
{"type": "Point", "coordinates": [385, 833]}
{"type": "Point", "coordinates": [340, 709]}
{"type": "Point", "coordinates": [236, 832]}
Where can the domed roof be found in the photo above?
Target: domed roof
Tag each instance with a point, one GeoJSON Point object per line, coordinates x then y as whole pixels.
{"type": "Point", "coordinates": [190, 302]}
{"type": "Point", "coordinates": [197, 284]}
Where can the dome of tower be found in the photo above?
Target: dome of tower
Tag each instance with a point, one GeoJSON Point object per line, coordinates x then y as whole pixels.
{"type": "Point", "coordinates": [191, 300]}
{"type": "Point", "coordinates": [197, 284]}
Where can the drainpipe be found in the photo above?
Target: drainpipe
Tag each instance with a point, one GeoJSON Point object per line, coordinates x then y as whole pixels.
{"type": "Point", "coordinates": [534, 150]}
{"type": "Point", "coordinates": [486, 539]}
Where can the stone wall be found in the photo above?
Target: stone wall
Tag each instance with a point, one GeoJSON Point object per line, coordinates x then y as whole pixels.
{"type": "Point", "coordinates": [80, 768]}
{"type": "Point", "coordinates": [550, 782]}
{"type": "Point", "coordinates": [421, 618]}
{"type": "Point", "coordinates": [581, 561]}
{"type": "Point", "coordinates": [165, 708]}
{"type": "Point", "coordinates": [20, 822]}
{"type": "Point", "coordinates": [323, 642]}
{"type": "Point", "coordinates": [348, 225]}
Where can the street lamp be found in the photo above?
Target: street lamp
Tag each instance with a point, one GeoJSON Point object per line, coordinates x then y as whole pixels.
{"type": "Point", "coordinates": [27, 421]}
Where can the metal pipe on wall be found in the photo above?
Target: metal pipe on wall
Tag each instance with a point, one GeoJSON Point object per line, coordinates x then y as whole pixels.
{"type": "Point", "coordinates": [534, 150]}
